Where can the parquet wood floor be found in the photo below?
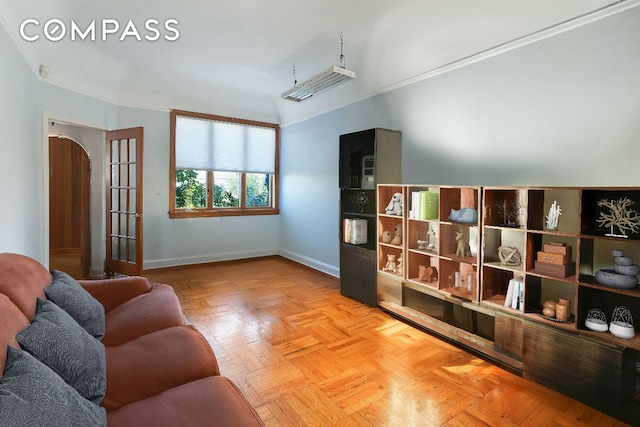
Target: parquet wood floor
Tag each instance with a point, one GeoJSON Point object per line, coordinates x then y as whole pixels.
{"type": "Point", "coordinates": [69, 263]}
{"type": "Point", "coordinates": [306, 356]}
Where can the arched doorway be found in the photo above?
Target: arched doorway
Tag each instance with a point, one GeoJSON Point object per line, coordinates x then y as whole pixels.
{"type": "Point", "coordinates": [69, 207]}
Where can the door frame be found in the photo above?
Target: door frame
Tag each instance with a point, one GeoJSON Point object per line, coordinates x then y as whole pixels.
{"type": "Point", "coordinates": [47, 118]}
{"type": "Point", "coordinates": [84, 206]}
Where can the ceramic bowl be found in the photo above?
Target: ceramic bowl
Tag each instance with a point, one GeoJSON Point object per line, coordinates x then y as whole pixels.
{"type": "Point", "coordinates": [609, 277]}
{"type": "Point", "coordinates": [622, 329]}
{"type": "Point", "coordinates": [596, 325]}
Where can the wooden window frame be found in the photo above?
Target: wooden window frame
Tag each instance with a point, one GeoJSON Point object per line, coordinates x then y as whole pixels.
{"type": "Point", "coordinates": [210, 211]}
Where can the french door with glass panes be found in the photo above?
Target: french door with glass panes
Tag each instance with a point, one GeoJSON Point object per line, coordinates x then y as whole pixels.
{"type": "Point", "coordinates": [124, 202]}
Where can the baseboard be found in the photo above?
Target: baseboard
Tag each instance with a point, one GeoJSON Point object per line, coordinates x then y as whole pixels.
{"type": "Point", "coordinates": [64, 251]}
{"type": "Point", "coordinates": [96, 273]}
{"type": "Point", "coordinates": [233, 256]}
{"type": "Point", "coordinates": [310, 262]}
{"type": "Point", "coordinates": [207, 258]}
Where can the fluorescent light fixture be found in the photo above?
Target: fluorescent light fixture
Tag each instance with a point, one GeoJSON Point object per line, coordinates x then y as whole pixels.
{"type": "Point", "coordinates": [320, 82]}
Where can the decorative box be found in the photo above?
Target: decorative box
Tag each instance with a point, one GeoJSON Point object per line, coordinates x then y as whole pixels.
{"type": "Point", "coordinates": [552, 258]}
{"type": "Point", "coordinates": [556, 270]}
{"type": "Point", "coordinates": [557, 248]}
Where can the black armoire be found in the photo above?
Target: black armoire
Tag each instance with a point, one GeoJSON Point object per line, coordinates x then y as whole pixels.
{"type": "Point", "coordinates": [367, 158]}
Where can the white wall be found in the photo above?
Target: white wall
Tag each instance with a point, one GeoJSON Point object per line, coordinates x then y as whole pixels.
{"type": "Point", "coordinates": [309, 180]}
{"type": "Point", "coordinates": [26, 104]}
{"type": "Point", "coordinates": [21, 175]}
{"type": "Point", "coordinates": [169, 242]}
{"type": "Point", "coordinates": [561, 111]}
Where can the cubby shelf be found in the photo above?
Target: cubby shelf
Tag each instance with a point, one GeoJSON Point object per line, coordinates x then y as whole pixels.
{"type": "Point", "coordinates": [551, 239]}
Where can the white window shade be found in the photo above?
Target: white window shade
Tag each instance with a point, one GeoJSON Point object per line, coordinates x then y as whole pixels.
{"type": "Point", "coordinates": [193, 143]}
{"type": "Point", "coordinates": [223, 146]}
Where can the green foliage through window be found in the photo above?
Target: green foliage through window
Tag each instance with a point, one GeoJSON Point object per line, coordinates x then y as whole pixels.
{"type": "Point", "coordinates": [226, 189]}
{"type": "Point", "coordinates": [190, 192]}
{"type": "Point", "coordinates": [191, 189]}
{"type": "Point", "coordinates": [257, 189]}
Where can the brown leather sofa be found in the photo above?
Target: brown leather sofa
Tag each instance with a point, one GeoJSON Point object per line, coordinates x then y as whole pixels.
{"type": "Point", "coordinates": [159, 370]}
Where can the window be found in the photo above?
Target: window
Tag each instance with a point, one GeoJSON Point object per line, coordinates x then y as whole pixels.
{"type": "Point", "coordinates": [222, 166]}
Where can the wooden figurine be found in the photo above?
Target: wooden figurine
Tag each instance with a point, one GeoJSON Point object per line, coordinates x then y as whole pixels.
{"type": "Point", "coordinates": [427, 274]}
{"type": "Point", "coordinates": [391, 264]}
{"type": "Point", "coordinates": [462, 248]}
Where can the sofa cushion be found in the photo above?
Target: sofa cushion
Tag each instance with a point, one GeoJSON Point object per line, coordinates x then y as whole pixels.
{"type": "Point", "coordinates": [66, 293]}
{"type": "Point", "coordinates": [56, 340]}
{"type": "Point", "coordinates": [156, 362]}
{"type": "Point", "coordinates": [12, 321]}
{"type": "Point", "coordinates": [22, 279]}
{"type": "Point", "coordinates": [31, 394]}
{"type": "Point", "coordinates": [113, 292]}
{"type": "Point", "coordinates": [155, 310]}
{"type": "Point", "coordinates": [211, 401]}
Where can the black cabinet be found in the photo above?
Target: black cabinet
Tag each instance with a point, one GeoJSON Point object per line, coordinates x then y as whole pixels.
{"type": "Point", "coordinates": [360, 172]}
{"type": "Point", "coordinates": [357, 160]}
{"type": "Point", "coordinates": [358, 273]}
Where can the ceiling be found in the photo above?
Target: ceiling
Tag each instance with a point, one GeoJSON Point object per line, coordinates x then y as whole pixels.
{"type": "Point", "coordinates": [235, 58]}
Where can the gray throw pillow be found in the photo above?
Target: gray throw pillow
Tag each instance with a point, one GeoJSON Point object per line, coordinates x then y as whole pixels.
{"type": "Point", "coordinates": [68, 294]}
{"type": "Point", "coordinates": [31, 394]}
{"type": "Point", "coordinates": [56, 340]}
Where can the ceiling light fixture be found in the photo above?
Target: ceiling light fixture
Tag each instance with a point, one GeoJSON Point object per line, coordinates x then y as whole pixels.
{"type": "Point", "coordinates": [322, 81]}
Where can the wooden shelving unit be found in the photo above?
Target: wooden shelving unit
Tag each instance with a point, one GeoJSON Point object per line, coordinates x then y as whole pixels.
{"type": "Point", "coordinates": [516, 238]}
{"type": "Point", "coordinates": [577, 229]}
{"type": "Point", "coordinates": [391, 227]}
{"type": "Point", "coordinates": [432, 239]}
{"type": "Point", "coordinates": [440, 277]}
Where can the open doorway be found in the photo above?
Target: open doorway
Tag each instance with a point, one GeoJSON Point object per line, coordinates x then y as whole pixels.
{"type": "Point", "coordinates": [69, 207]}
{"type": "Point", "coordinates": [115, 170]}
{"type": "Point", "coordinates": [87, 259]}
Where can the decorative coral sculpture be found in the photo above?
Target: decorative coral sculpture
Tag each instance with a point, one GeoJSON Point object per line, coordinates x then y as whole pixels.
{"type": "Point", "coordinates": [510, 212]}
{"type": "Point", "coordinates": [619, 216]}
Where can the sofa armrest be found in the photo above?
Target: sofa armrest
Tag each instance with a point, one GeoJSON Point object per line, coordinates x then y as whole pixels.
{"type": "Point", "coordinates": [113, 292]}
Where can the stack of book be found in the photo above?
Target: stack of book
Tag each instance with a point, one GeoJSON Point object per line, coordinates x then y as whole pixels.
{"type": "Point", "coordinates": [515, 294]}
{"type": "Point", "coordinates": [555, 260]}
{"type": "Point", "coordinates": [354, 231]}
{"type": "Point", "coordinates": [424, 205]}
